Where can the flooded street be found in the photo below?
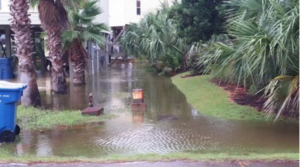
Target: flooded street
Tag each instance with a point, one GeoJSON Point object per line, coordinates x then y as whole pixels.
{"type": "Point", "coordinates": [168, 125]}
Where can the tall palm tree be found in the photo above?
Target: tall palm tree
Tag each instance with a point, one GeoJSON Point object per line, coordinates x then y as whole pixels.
{"type": "Point", "coordinates": [54, 20]}
{"type": "Point", "coordinates": [20, 24]}
{"type": "Point", "coordinates": [82, 28]}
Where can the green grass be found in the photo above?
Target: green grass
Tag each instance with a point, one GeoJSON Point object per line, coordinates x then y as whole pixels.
{"type": "Point", "coordinates": [212, 100]}
{"type": "Point", "coordinates": [6, 158]}
{"type": "Point", "coordinates": [36, 119]}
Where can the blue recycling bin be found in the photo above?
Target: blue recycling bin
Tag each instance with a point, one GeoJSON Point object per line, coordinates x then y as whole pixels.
{"type": "Point", "coordinates": [10, 94]}
{"type": "Point", "coordinates": [6, 71]}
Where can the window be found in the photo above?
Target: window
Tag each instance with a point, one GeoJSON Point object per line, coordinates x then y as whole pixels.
{"type": "Point", "coordinates": [138, 7]}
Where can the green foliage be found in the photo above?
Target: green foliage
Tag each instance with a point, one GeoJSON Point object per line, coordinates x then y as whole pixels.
{"type": "Point", "coordinates": [197, 20]}
{"type": "Point", "coordinates": [155, 38]}
{"type": "Point", "coordinates": [264, 44]}
{"type": "Point", "coordinates": [283, 95]}
{"type": "Point", "coordinates": [252, 90]}
{"type": "Point", "coordinates": [212, 100]}
{"type": "Point", "coordinates": [203, 59]}
{"type": "Point", "coordinates": [83, 26]}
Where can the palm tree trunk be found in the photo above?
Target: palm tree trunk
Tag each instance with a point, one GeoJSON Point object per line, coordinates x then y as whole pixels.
{"type": "Point", "coordinates": [53, 18]}
{"type": "Point", "coordinates": [78, 61]}
{"type": "Point", "coordinates": [21, 26]}
{"type": "Point", "coordinates": [55, 53]}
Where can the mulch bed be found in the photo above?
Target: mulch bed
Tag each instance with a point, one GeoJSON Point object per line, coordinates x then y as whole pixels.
{"type": "Point", "coordinates": [240, 95]}
{"type": "Point", "coordinates": [186, 76]}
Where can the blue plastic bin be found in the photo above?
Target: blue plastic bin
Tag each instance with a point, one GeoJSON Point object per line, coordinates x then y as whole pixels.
{"type": "Point", "coordinates": [6, 71]}
{"type": "Point", "coordinates": [10, 94]}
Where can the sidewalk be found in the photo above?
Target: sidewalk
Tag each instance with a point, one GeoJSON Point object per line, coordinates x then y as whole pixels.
{"type": "Point", "coordinates": [169, 164]}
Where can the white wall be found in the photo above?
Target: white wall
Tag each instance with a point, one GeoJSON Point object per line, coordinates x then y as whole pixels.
{"type": "Point", "coordinates": [130, 12]}
{"type": "Point", "coordinates": [116, 12]}
{"type": "Point", "coordinates": [5, 16]}
{"type": "Point", "coordinates": [150, 5]}
{"type": "Point", "coordinates": [123, 12]}
{"type": "Point", "coordinates": [103, 18]}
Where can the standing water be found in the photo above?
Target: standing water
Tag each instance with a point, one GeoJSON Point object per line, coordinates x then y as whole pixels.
{"type": "Point", "coordinates": [168, 125]}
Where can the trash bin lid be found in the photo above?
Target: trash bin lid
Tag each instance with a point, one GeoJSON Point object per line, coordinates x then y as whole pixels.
{"type": "Point", "coordinates": [9, 85]}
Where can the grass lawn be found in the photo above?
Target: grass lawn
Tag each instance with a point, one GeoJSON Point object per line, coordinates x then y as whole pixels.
{"type": "Point", "coordinates": [216, 157]}
{"type": "Point", "coordinates": [212, 100]}
{"type": "Point", "coordinates": [36, 119]}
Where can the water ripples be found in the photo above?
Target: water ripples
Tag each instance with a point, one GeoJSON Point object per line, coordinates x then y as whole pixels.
{"type": "Point", "coordinates": [150, 139]}
{"type": "Point", "coordinates": [169, 125]}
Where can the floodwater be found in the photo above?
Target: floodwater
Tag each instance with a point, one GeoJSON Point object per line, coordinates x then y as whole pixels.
{"type": "Point", "coordinates": [168, 125]}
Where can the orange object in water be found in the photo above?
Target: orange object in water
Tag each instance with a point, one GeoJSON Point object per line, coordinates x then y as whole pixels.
{"type": "Point", "coordinates": [138, 116]}
{"type": "Point", "coordinates": [138, 94]}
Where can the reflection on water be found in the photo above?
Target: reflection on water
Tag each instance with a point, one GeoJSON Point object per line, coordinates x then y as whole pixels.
{"type": "Point", "coordinates": [168, 125]}
{"type": "Point", "coordinates": [137, 116]}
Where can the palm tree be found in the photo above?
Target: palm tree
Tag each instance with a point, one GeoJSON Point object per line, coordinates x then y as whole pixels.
{"type": "Point", "coordinates": [20, 24]}
{"type": "Point", "coordinates": [283, 95]}
{"type": "Point", "coordinates": [54, 19]}
{"type": "Point", "coordinates": [265, 46]}
{"type": "Point", "coordinates": [155, 38]}
{"type": "Point", "coordinates": [82, 28]}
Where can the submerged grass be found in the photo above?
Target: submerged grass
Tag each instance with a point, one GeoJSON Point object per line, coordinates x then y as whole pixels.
{"type": "Point", "coordinates": [118, 94]}
{"type": "Point", "coordinates": [212, 100]}
{"type": "Point", "coordinates": [35, 118]}
{"type": "Point", "coordinates": [6, 158]}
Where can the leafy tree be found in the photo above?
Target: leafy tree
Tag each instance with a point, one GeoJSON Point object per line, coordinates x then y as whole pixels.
{"type": "Point", "coordinates": [197, 19]}
{"type": "Point", "coordinates": [82, 28]}
{"type": "Point", "coordinates": [20, 24]}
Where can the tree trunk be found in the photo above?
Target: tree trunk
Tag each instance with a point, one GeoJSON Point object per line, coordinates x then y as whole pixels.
{"type": "Point", "coordinates": [55, 53]}
{"type": "Point", "coordinates": [24, 44]}
{"type": "Point", "coordinates": [78, 60]}
{"type": "Point", "coordinates": [53, 18]}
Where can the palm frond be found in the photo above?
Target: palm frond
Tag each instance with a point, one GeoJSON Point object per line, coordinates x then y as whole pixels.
{"type": "Point", "coordinates": [283, 96]}
{"type": "Point", "coordinates": [83, 25]}
{"type": "Point", "coordinates": [69, 35]}
{"type": "Point", "coordinates": [93, 36]}
{"type": "Point", "coordinates": [155, 38]}
{"type": "Point", "coordinates": [52, 13]}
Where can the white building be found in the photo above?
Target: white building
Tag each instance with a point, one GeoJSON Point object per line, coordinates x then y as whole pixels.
{"type": "Point", "coordinates": [5, 43]}
{"type": "Point", "coordinates": [123, 12]}
{"type": "Point", "coordinates": [5, 16]}
{"type": "Point", "coordinates": [115, 13]}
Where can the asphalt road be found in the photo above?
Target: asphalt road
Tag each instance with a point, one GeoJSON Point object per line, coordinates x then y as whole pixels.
{"type": "Point", "coordinates": [166, 164]}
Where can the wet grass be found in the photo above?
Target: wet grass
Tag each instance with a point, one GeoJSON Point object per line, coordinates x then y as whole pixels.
{"type": "Point", "coordinates": [5, 157]}
{"type": "Point", "coordinates": [36, 119]}
{"type": "Point", "coordinates": [210, 99]}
